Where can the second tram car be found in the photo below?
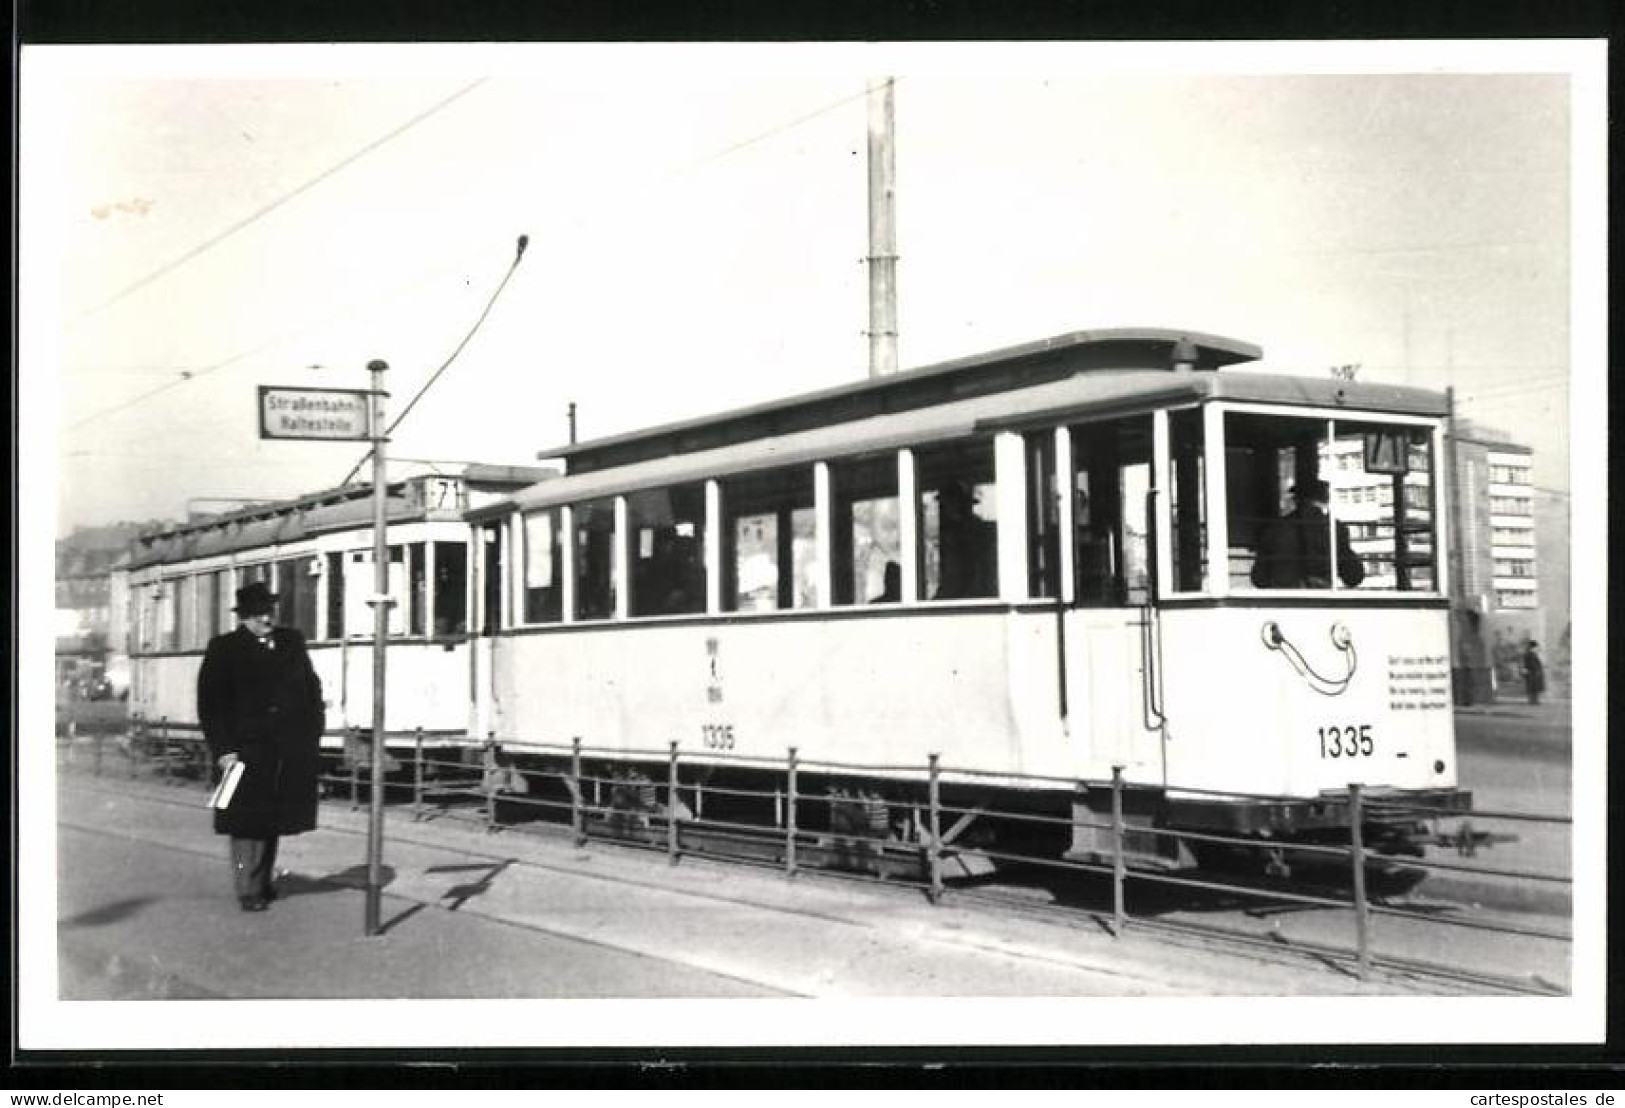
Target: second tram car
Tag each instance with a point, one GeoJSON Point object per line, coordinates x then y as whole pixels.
{"type": "Point", "coordinates": [1046, 564]}
{"type": "Point", "coordinates": [315, 553]}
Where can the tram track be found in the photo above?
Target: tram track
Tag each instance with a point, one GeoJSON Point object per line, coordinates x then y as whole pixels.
{"type": "Point", "coordinates": [1259, 930]}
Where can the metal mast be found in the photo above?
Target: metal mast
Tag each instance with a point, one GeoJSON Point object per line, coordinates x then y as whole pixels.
{"type": "Point", "coordinates": [882, 231]}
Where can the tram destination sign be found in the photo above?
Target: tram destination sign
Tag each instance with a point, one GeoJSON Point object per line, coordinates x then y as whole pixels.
{"type": "Point", "coordinates": [297, 413]}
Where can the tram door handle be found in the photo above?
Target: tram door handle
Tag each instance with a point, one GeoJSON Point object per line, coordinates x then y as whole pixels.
{"type": "Point", "coordinates": [1150, 625]}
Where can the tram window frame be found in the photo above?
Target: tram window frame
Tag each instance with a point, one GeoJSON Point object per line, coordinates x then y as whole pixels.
{"type": "Point", "coordinates": [298, 602]}
{"type": "Point", "coordinates": [786, 500]}
{"type": "Point", "coordinates": [1187, 501]}
{"type": "Point", "coordinates": [333, 614]}
{"type": "Point", "coordinates": [597, 572]}
{"type": "Point", "coordinates": [1265, 459]}
{"type": "Point", "coordinates": [1044, 516]}
{"type": "Point", "coordinates": [185, 613]}
{"type": "Point", "coordinates": [450, 588]}
{"type": "Point", "coordinates": [544, 553]}
{"type": "Point", "coordinates": [865, 508]}
{"type": "Point", "coordinates": [1113, 463]}
{"type": "Point", "coordinates": [666, 529]}
{"type": "Point", "coordinates": [956, 504]}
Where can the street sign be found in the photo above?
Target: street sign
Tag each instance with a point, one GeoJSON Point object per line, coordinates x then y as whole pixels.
{"type": "Point", "coordinates": [299, 413]}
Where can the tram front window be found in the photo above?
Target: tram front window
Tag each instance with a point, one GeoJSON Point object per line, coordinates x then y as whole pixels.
{"type": "Point", "coordinates": [1111, 478]}
{"type": "Point", "coordinates": [1329, 504]}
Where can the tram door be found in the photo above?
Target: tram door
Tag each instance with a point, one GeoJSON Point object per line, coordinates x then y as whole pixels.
{"type": "Point", "coordinates": [1110, 652]}
{"type": "Point", "coordinates": [486, 587]}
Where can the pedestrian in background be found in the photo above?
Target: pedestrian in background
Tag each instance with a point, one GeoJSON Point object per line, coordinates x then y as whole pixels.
{"type": "Point", "coordinates": [260, 703]}
{"type": "Point", "coordinates": [1534, 672]}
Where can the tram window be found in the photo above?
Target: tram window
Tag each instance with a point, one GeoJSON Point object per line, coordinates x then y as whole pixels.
{"type": "Point", "coordinates": [168, 615]}
{"type": "Point", "coordinates": [298, 600]}
{"type": "Point", "coordinates": [184, 633]}
{"type": "Point", "coordinates": [544, 567]}
{"type": "Point", "coordinates": [1278, 540]}
{"type": "Point", "coordinates": [769, 554]}
{"type": "Point", "coordinates": [668, 550]}
{"type": "Point", "coordinates": [1111, 478]}
{"type": "Point", "coordinates": [958, 527]}
{"type": "Point", "coordinates": [1392, 533]}
{"type": "Point", "coordinates": [866, 534]}
{"type": "Point", "coordinates": [1185, 499]}
{"type": "Point", "coordinates": [418, 587]}
{"type": "Point", "coordinates": [491, 577]}
{"type": "Point", "coordinates": [1043, 517]}
{"type": "Point", "coordinates": [209, 614]}
{"type": "Point", "coordinates": [333, 627]}
{"type": "Point", "coordinates": [450, 588]}
{"type": "Point", "coordinates": [595, 559]}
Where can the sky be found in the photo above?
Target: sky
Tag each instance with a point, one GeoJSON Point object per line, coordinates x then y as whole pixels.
{"type": "Point", "coordinates": [199, 221]}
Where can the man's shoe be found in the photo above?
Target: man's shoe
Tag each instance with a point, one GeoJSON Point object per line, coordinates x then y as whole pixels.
{"type": "Point", "coordinates": [254, 904]}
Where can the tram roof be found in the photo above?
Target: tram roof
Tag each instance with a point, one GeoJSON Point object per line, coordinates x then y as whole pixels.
{"type": "Point", "coordinates": [704, 448]}
{"type": "Point", "coordinates": [993, 371]}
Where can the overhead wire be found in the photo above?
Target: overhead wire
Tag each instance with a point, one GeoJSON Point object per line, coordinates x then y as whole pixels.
{"type": "Point", "coordinates": [186, 376]}
{"type": "Point", "coordinates": [254, 217]}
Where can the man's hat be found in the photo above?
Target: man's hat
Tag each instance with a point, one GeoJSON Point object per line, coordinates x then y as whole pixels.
{"type": "Point", "coordinates": [255, 599]}
{"type": "Point", "coordinates": [1312, 489]}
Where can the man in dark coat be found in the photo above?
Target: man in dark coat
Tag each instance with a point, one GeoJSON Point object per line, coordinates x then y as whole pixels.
{"type": "Point", "coordinates": [1534, 672]}
{"type": "Point", "coordinates": [1293, 554]}
{"type": "Point", "coordinates": [260, 703]}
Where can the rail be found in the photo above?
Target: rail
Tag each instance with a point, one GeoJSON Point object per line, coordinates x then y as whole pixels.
{"type": "Point", "coordinates": [659, 802]}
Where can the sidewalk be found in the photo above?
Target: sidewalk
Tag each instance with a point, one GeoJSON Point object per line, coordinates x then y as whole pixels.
{"type": "Point", "coordinates": [145, 912]}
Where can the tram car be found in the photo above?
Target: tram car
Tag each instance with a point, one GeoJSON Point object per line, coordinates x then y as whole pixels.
{"type": "Point", "coordinates": [1042, 566]}
{"type": "Point", "coordinates": [316, 553]}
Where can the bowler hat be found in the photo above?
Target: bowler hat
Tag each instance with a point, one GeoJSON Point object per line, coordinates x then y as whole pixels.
{"type": "Point", "coordinates": [1312, 489]}
{"type": "Point", "coordinates": [255, 599]}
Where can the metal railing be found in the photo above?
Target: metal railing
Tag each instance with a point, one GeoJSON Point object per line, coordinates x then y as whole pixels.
{"type": "Point", "coordinates": [656, 798]}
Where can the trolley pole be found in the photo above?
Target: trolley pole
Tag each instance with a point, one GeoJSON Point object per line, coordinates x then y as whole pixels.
{"type": "Point", "coordinates": [380, 636]}
{"type": "Point", "coordinates": [882, 230]}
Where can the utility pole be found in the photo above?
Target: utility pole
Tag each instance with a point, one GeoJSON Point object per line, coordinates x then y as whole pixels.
{"type": "Point", "coordinates": [882, 231]}
{"type": "Point", "coordinates": [1462, 657]}
{"type": "Point", "coordinates": [380, 602]}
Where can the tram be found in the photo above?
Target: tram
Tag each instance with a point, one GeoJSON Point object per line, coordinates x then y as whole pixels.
{"type": "Point", "coordinates": [1039, 567]}
{"type": "Point", "coordinates": [316, 553]}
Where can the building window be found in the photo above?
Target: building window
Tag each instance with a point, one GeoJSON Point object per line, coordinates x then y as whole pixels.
{"type": "Point", "coordinates": [769, 541]}
{"type": "Point", "coordinates": [1514, 598]}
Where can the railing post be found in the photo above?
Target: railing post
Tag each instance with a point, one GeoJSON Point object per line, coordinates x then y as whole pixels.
{"type": "Point", "coordinates": [1119, 867]}
{"type": "Point", "coordinates": [790, 817]}
{"type": "Point", "coordinates": [489, 782]}
{"type": "Point", "coordinates": [97, 767]}
{"type": "Point", "coordinates": [1362, 910]}
{"type": "Point", "coordinates": [163, 750]}
{"type": "Point", "coordinates": [417, 775]}
{"type": "Point", "coordinates": [73, 737]}
{"type": "Point", "coordinates": [934, 846]}
{"type": "Point", "coordinates": [671, 805]}
{"type": "Point", "coordinates": [578, 820]}
{"type": "Point", "coordinates": [355, 770]}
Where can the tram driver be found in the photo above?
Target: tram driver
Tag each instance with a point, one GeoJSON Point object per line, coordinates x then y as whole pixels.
{"type": "Point", "coordinates": [1292, 553]}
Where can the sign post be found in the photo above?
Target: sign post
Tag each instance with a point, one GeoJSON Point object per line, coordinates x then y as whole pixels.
{"type": "Point", "coordinates": [351, 415]}
{"type": "Point", "coordinates": [380, 636]}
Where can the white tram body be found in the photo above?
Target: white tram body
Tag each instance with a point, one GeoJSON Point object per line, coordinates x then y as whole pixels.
{"type": "Point", "coordinates": [316, 554]}
{"type": "Point", "coordinates": [1072, 529]}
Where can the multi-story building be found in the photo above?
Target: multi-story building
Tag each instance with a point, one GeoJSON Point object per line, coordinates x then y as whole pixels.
{"type": "Point", "coordinates": [88, 616]}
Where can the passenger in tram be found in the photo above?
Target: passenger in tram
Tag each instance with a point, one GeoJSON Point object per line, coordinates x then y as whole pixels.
{"type": "Point", "coordinates": [967, 552]}
{"type": "Point", "coordinates": [891, 589]}
{"type": "Point", "coordinates": [1292, 552]}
